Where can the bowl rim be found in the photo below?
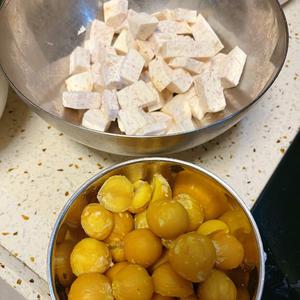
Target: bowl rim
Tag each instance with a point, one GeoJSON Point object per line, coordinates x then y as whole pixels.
{"type": "Point", "coordinates": [213, 125]}
{"type": "Point", "coordinates": [190, 165]}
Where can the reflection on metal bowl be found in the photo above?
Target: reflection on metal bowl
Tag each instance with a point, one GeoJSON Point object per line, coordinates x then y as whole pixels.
{"type": "Point", "coordinates": [70, 216]}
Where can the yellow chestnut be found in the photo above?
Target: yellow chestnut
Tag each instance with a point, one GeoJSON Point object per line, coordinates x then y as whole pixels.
{"type": "Point", "coordinates": [217, 287]}
{"type": "Point", "coordinates": [90, 256]}
{"type": "Point", "coordinates": [132, 282]}
{"type": "Point", "coordinates": [167, 219]}
{"type": "Point", "coordinates": [193, 256]}
{"type": "Point", "coordinates": [213, 226]}
{"type": "Point", "coordinates": [194, 209]}
{"type": "Point", "coordinates": [230, 251]}
{"type": "Point", "coordinates": [115, 269]}
{"type": "Point", "coordinates": [92, 286]}
{"type": "Point", "coordinates": [140, 220]}
{"type": "Point", "coordinates": [116, 194]}
{"type": "Point", "coordinates": [168, 283]}
{"type": "Point", "coordinates": [161, 189]}
{"type": "Point", "coordinates": [117, 252]}
{"type": "Point", "coordinates": [142, 196]}
{"type": "Point", "coordinates": [123, 223]}
{"type": "Point", "coordinates": [142, 247]}
{"type": "Point", "coordinates": [237, 221]}
{"type": "Point", "coordinates": [96, 221]}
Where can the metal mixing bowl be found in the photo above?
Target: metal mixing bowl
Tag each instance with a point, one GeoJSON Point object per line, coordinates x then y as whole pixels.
{"type": "Point", "coordinates": [166, 166]}
{"type": "Point", "coordinates": [38, 35]}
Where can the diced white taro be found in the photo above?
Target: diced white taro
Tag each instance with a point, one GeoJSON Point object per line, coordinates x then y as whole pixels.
{"type": "Point", "coordinates": [121, 43]}
{"type": "Point", "coordinates": [142, 25]}
{"type": "Point", "coordinates": [146, 49]}
{"type": "Point", "coordinates": [125, 24]}
{"type": "Point", "coordinates": [205, 35]}
{"type": "Point", "coordinates": [165, 14]}
{"type": "Point", "coordinates": [131, 119]}
{"type": "Point", "coordinates": [111, 72]}
{"type": "Point", "coordinates": [82, 82]}
{"type": "Point", "coordinates": [159, 100]}
{"type": "Point", "coordinates": [82, 100]}
{"type": "Point", "coordinates": [185, 125]}
{"type": "Point", "coordinates": [98, 84]}
{"type": "Point", "coordinates": [231, 69]}
{"type": "Point", "coordinates": [186, 47]}
{"type": "Point", "coordinates": [198, 105]}
{"type": "Point", "coordinates": [218, 59]}
{"type": "Point", "coordinates": [174, 27]}
{"type": "Point", "coordinates": [180, 126]}
{"type": "Point", "coordinates": [187, 15]}
{"type": "Point", "coordinates": [137, 94]}
{"type": "Point", "coordinates": [173, 129]}
{"type": "Point", "coordinates": [131, 41]}
{"type": "Point", "coordinates": [110, 105]}
{"type": "Point", "coordinates": [100, 32]}
{"type": "Point", "coordinates": [132, 66]}
{"type": "Point", "coordinates": [209, 88]}
{"type": "Point", "coordinates": [98, 50]}
{"type": "Point", "coordinates": [115, 12]}
{"type": "Point", "coordinates": [181, 81]}
{"type": "Point", "coordinates": [158, 39]}
{"type": "Point", "coordinates": [192, 65]}
{"type": "Point", "coordinates": [153, 128]}
{"type": "Point", "coordinates": [178, 108]}
{"type": "Point", "coordinates": [161, 117]}
{"type": "Point", "coordinates": [159, 73]}
{"type": "Point", "coordinates": [80, 60]}
{"type": "Point", "coordinates": [97, 76]}
{"type": "Point", "coordinates": [131, 12]}
{"type": "Point", "coordinates": [120, 125]}
{"type": "Point", "coordinates": [95, 119]}
{"type": "Point", "coordinates": [214, 64]}
{"type": "Point", "coordinates": [124, 42]}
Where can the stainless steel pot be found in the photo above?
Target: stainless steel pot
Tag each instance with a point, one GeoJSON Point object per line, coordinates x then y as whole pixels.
{"type": "Point", "coordinates": [165, 165]}
{"type": "Point", "coordinates": [38, 35]}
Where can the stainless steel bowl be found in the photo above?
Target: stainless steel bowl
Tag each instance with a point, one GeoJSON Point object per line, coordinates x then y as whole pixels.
{"type": "Point", "coordinates": [88, 192]}
{"type": "Point", "coordinates": [38, 35]}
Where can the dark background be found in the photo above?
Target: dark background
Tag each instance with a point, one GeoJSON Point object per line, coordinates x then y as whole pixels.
{"type": "Point", "coordinates": [277, 213]}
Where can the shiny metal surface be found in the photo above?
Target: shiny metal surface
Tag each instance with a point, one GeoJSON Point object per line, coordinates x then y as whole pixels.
{"type": "Point", "coordinates": [38, 35]}
{"type": "Point", "coordinates": [90, 188]}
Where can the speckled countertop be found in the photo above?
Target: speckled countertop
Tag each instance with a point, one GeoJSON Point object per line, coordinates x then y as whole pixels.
{"type": "Point", "coordinates": [40, 167]}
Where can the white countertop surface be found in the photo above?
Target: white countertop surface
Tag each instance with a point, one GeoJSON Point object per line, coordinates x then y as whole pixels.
{"type": "Point", "coordinates": [40, 167]}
